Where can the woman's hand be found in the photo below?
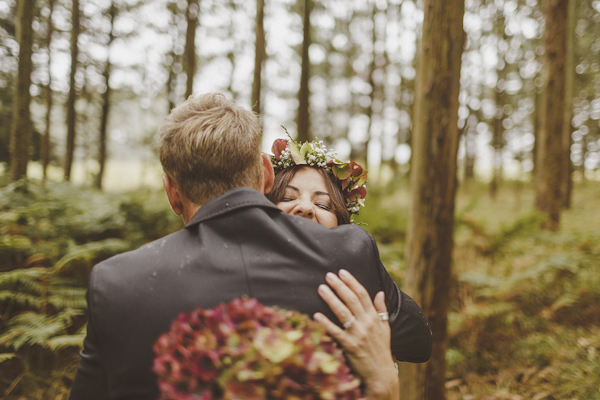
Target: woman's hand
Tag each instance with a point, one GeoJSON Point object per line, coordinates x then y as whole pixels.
{"type": "Point", "coordinates": [366, 337]}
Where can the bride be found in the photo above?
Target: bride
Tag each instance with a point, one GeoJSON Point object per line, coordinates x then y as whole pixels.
{"type": "Point", "coordinates": [311, 183]}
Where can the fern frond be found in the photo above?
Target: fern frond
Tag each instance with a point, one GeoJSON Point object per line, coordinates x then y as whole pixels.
{"type": "Point", "coordinates": [31, 328]}
{"type": "Point", "coordinates": [83, 256]}
{"type": "Point", "coordinates": [21, 299]}
{"type": "Point", "coordinates": [60, 342]}
{"type": "Point", "coordinates": [68, 297]}
{"type": "Point", "coordinates": [27, 278]}
{"type": "Point", "coordinates": [6, 356]}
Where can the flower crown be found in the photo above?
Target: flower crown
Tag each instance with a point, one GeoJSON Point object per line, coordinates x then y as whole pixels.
{"type": "Point", "coordinates": [349, 175]}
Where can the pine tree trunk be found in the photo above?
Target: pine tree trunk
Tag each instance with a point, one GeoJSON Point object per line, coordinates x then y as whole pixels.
{"type": "Point", "coordinates": [433, 187]}
{"type": "Point", "coordinates": [567, 183]}
{"type": "Point", "coordinates": [259, 56]}
{"type": "Point", "coordinates": [498, 128]}
{"type": "Point", "coordinates": [551, 137]}
{"type": "Point", "coordinates": [470, 152]}
{"type": "Point", "coordinates": [191, 14]}
{"type": "Point", "coordinates": [537, 101]}
{"type": "Point", "coordinates": [371, 83]}
{"type": "Point", "coordinates": [20, 130]}
{"type": "Point", "coordinates": [304, 93]}
{"type": "Point", "coordinates": [105, 101]}
{"type": "Point", "coordinates": [71, 115]}
{"type": "Point", "coordinates": [45, 151]}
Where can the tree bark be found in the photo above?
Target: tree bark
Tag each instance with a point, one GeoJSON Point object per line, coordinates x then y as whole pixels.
{"type": "Point", "coordinates": [371, 82]}
{"type": "Point", "coordinates": [498, 128]}
{"type": "Point", "coordinates": [191, 15]}
{"type": "Point", "coordinates": [259, 56]}
{"type": "Point", "coordinates": [112, 11]}
{"type": "Point", "coordinates": [304, 93]}
{"type": "Point", "coordinates": [567, 183]}
{"type": "Point", "coordinates": [433, 187]}
{"type": "Point", "coordinates": [551, 144]}
{"type": "Point", "coordinates": [71, 115]}
{"type": "Point", "coordinates": [20, 131]}
{"type": "Point", "coordinates": [45, 152]}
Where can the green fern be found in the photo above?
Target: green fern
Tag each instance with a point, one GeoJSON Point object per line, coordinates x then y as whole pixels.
{"type": "Point", "coordinates": [83, 256]}
{"type": "Point", "coordinates": [25, 300]}
{"type": "Point", "coordinates": [27, 278]}
{"type": "Point", "coordinates": [31, 328]}
{"type": "Point", "coordinates": [7, 356]}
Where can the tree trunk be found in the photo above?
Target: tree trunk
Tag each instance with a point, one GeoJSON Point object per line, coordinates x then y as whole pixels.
{"type": "Point", "coordinates": [537, 104]}
{"type": "Point", "coordinates": [259, 55]}
{"type": "Point", "coordinates": [20, 131]}
{"type": "Point", "coordinates": [498, 128]}
{"type": "Point", "coordinates": [471, 152]}
{"type": "Point", "coordinates": [71, 116]}
{"type": "Point", "coordinates": [304, 93]}
{"type": "Point", "coordinates": [371, 82]}
{"type": "Point", "coordinates": [105, 101]}
{"type": "Point", "coordinates": [551, 145]}
{"type": "Point", "coordinates": [433, 187]}
{"type": "Point", "coordinates": [567, 183]}
{"type": "Point", "coordinates": [45, 152]}
{"type": "Point", "coordinates": [191, 15]}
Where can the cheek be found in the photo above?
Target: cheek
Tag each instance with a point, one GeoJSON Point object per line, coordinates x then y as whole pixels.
{"type": "Point", "coordinates": [328, 219]}
{"type": "Point", "coordinates": [285, 206]}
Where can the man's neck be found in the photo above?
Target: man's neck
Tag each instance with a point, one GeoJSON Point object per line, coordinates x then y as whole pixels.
{"type": "Point", "coordinates": [189, 210]}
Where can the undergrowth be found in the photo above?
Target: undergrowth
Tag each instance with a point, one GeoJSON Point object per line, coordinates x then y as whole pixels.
{"type": "Point", "coordinates": [51, 235]}
{"type": "Point", "coordinates": [525, 305]}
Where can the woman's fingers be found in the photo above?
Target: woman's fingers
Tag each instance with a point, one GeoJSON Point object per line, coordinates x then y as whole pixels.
{"type": "Point", "coordinates": [346, 294]}
{"type": "Point", "coordinates": [337, 306]}
{"type": "Point", "coordinates": [379, 302]}
{"type": "Point", "coordinates": [330, 327]}
{"type": "Point", "coordinates": [358, 289]}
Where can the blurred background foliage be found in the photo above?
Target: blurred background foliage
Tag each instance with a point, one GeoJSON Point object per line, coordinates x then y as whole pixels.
{"type": "Point", "coordinates": [525, 304]}
{"type": "Point", "coordinates": [51, 235]}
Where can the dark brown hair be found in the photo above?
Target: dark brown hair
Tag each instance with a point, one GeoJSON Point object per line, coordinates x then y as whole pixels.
{"type": "Point", "coordinates": [285, 176]}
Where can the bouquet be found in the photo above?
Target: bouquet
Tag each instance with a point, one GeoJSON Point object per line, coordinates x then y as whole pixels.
{"type": "Point", "coordinates": [244, 350]}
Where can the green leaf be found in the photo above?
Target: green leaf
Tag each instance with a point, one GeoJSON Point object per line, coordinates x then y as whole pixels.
{"type": "Point", "coordinates": [6, 356]}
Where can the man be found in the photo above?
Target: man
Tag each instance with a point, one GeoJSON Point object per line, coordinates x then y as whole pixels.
{"type": "Point", "coordinates": [235, 243]}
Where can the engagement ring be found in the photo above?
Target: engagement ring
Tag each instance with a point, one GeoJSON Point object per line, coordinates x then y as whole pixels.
{"type": "Point", "coordinates": [384, 316]}
{"type": "Point", "coordinates": [349, 323]}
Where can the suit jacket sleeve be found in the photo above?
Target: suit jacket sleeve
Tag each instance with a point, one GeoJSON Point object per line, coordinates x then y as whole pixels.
{"type": "Point", "coordinates": [411, 338]}
{"type": "Point", "coordinates": [91, 380]}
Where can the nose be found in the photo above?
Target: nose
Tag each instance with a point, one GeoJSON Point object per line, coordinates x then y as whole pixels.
{"type": "Point", "coordinates": [304, 209]}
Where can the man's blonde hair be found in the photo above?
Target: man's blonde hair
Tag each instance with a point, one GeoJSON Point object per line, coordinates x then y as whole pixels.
{"type": "Point", "coordinates": [209, 145]}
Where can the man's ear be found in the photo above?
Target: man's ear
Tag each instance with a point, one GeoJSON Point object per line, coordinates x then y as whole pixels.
{"type": "Point", "coordinates": [173, 195]}
{"type": "Point", "coordinates": [268, 174]}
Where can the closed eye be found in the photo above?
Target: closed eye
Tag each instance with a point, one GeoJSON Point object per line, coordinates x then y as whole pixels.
{"type": "Point", "coordinates": [324, 207]}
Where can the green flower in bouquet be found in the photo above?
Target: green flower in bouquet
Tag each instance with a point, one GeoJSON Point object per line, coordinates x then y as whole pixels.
{"type": "Point", "coordinates": [244, 350]}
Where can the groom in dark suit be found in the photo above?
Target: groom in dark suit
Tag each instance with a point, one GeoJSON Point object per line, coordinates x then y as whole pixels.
{"type": "Point", "coordinates": [235, 243]}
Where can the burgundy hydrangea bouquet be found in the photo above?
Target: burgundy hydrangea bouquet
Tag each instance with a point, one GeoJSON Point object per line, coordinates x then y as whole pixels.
{"type": "Point", "coordinates": [244, 350]}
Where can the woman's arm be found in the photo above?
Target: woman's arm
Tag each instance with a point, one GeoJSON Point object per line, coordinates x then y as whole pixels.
{"type": "Point", "coordinates": [366, 337]}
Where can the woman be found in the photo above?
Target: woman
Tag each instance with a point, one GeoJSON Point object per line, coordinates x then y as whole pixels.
{"type": "Point", "coordinates": [311, 183]}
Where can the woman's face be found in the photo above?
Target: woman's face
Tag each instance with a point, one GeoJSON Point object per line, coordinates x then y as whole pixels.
{"type": "Point", "coordinates": [306, 196]}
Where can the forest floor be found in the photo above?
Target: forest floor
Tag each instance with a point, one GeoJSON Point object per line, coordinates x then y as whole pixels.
{"type": "Point", "coordinates": [525, 305]}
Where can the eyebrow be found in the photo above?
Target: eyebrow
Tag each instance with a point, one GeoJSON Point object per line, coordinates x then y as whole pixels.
{"type": "Point", "coordinates": [318, 193]}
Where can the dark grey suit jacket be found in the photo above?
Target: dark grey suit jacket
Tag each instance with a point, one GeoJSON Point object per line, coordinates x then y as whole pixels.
{"type": "Point", "coordinates": [237, 244]}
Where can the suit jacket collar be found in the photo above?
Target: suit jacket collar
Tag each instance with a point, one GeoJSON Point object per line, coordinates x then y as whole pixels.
{"type": "Point", "coordinates": [230, 201]}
